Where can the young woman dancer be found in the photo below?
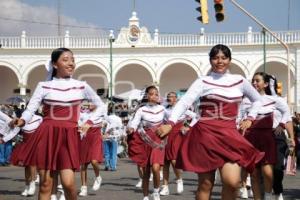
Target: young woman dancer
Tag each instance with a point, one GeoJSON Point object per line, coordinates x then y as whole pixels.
{"type": "Point", "coordinates": [261, 134]}
{"type": "Point", "coordinates": [214, 142]}
{"type": "Point", "coordinates": [54, 147]}
{"type": "Point", "coordinates": [150, 154]}
{"type": "Point", "coordinates": [90, 148]}
{"type": "Point", "coordinates": [174, 141]}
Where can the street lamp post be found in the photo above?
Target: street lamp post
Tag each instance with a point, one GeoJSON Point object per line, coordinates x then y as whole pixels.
{"type": "Point", "coordinates": [111, 40]}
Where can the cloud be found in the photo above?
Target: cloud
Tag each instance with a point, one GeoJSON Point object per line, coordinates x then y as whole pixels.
{"type": "Point", "coordinates": [16, 16]}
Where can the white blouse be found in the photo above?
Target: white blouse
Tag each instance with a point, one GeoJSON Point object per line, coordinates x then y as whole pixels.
{"type": "Point", "coordinates": [225, 87]}
{"type": "Point", "coordinates": [149, 116]}
{"type": "Point", "coordinates": [63, 92]}
{"type": "Point", "coordinates": [270, 105]}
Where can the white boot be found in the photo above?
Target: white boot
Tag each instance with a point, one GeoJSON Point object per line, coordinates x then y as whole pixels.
{"type": "Point", "coordinates": [161, 176]}
{"type": "Point", "coordinates": [31, 189]}
{"type": "Point", "coordinates": [250, 193]}
{"type": "Point", "coordinates": [97, 183]}
{"type": "Point", "coordinates": [146, 198]}
{"type": "Point", "coordinates": [248, 181]}
{"type": "Point", "coordinates": [243, 193]}
{"type": "Point", "coordinates": [62, 197]}
{"type": "Point", "coordinates": [53, 197]}
{"type": "Point", "coordinates": [179, 186]}
{"type": "Point", "coordinates": [156, 196]}
{"type": "Point", "coordinates": [60, 187]}
{"type": "Point", "coordinates": [37, 180]}
{"type": "Point", "coordinates": [25, 192]}
{"type": "Point", "coordinates": [83, 191]}
{"type": "Point", "coordinates": [151, 177]}
{"type": "Point", "coordinates": [139, 184]}
{"type": "Point", "coordinates": [268, 196]}
{"type": "Point", "coordinates": [61, 192]}
{"type": "Point", "coordinates": [279, 197]}
{"type": "Point", "coordinates": [164, 191]}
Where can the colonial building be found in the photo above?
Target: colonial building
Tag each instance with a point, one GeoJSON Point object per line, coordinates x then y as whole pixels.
{"type": "Point", "coordinates": [137, 57]}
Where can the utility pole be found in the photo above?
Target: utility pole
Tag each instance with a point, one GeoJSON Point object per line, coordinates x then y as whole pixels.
{"type": "Point", "coordinates": [133, 5]}
{"type": "Point", "coordinates": [58, 17]}
{"type": "Point", "coordinates": [111, 40]}
{"type": "Point", "coordinates": [279, 40]}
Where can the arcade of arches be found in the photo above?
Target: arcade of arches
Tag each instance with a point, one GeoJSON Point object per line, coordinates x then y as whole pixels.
{"type": "Point", "coordinates": [173, 77]}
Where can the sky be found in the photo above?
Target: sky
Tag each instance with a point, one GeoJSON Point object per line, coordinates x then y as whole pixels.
{"type": "Point", "coordinates": [93, 17]}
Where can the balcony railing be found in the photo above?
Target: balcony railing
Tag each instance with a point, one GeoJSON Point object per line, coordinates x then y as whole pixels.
{"type": "Point", "coordinates": [209, 39]}
{"type": "Point", "coordinates": [159, 40]}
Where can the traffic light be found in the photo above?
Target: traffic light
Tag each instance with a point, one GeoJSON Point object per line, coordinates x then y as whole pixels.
{"type": "Point", "coordinates": [279, 88]}
{"type": "Point", "coordinates": [203, 10]}
{"type": "Point", "coordinates": [219, 9]}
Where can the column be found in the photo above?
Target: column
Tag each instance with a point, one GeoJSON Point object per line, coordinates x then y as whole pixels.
{"type": "Point", "coordinates": [297, 81]}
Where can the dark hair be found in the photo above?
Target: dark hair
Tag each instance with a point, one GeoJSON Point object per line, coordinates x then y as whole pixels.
{"type": "Point", "coordinates": [220, 47]}
{"type": "Point", "coordinates": [110, 108]}
{"type": "Point", "coordinates": [266, 77]}
{"type": "Point", "coordinates": [145, 98]}
{"type": "Point", "coordinates": [172, 93]}
{"type": "Point", "coordinates": [56, 53]}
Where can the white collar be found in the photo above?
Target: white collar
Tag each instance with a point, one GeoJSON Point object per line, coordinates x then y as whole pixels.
{"type": "Point", "coordinates": [219, 75]}
{"type": "Point", "coordinates": [61, 79]}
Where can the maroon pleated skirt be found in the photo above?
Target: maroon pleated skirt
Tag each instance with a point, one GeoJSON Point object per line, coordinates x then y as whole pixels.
{"type": "Point", "coordinates": [91, 146]}
{"type": "Point", "coordinates": [142, 153]}
{"type": "Point", "coordinates": [264, 140]}
{"type": "Point", "coordinates": [136, 148]}
{"type": "Point", "coordinates": [20, 150]}
{"type": "Point", "coordinates": [54, 146]}
{"type": "Point", "coordinates": [261, 136]}
{"type": "Point", "coordinates": [208, 147]}
{"type": "Point", "coordinates": [175, 138]}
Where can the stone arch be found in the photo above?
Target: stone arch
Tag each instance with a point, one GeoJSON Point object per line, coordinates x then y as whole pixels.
{"type": "Point", "coordinates": [35, 75]}
{"type": "Point", "coordinates": [95, 76]}
{"type": "Point", "coordinates": [241, 66]}
{"type": "Point", "coordinates": [176, 61]}
{"type": "Point", "coordinates": [125, 80]}
{"type": "Point", "coordinates": [9, 81]}
{"type": "Point", "coordinates": [31, 67]}
{"type": "Point", "coordinates": [278, 59]}
{"type": "Point", "coordinates": [13, 68]}
{"type": "Point", "coordinates": [142, 63]}
{"type": "Point", "coordinates": [94, 63]}
{"type": "Point", "coordinates": [176, 76]}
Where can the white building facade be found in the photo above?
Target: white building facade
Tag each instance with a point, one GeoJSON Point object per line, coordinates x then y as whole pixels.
{"type": "Point", "coordinates": [141, 58]}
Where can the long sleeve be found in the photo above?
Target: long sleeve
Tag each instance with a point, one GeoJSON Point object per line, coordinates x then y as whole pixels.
{"type": "Point", "coordinates": [193, 93]}
{"type": "Point", "coordinates": [254, 97]}
{"type": "Point", "coordinates": [4, 117]}
{"type": "Point", "coordinates": [136, 119]}
{"type": "Point", "coordinates": [29, 128]}
{"type": "Point", "coordinates": [101, 110]}
{"type": "Point", "coordinates": [34, 103]}
{"type": "Point", "coordinates": [166, 115]}
{"type": "Point", "coordinates": [243, 109]}
{"type": "Point", "coordinates": [282, 106]}
{"type": "Point", "coordinates": [4, 121]}
{"type": "Point", "coordinates": [192, 115]}
{"type": "Point", "coordinates": [11, 134]}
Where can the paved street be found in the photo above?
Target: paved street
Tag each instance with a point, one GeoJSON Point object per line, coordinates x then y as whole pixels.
{"type": "Point", "coordinates": [119, 185]}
